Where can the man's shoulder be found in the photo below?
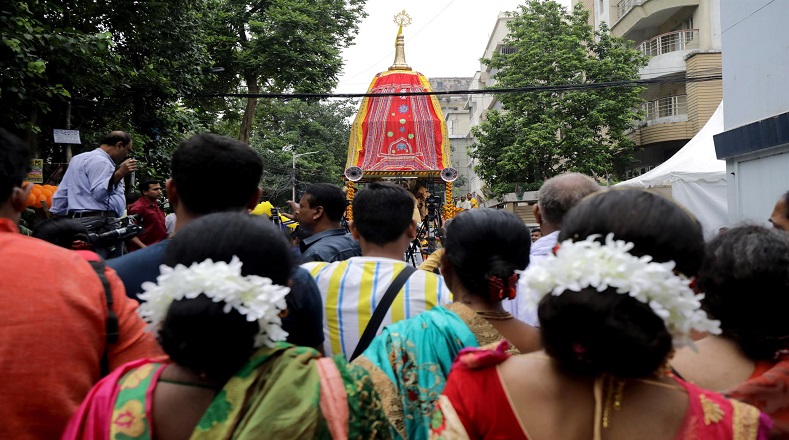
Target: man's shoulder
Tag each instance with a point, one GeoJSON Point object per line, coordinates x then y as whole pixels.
{"type": "Point", "coordinates": [137, 205]}
{"type": "Point", "coordinates": [47, 256]}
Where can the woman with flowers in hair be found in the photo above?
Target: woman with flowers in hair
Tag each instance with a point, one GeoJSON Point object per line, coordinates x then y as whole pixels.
{"type": "Point", "coordinates": [216, 310]}
{"type": "Point", "coordinates": [409, 361]}
{"type": "Point", "coordinates": [613, 302]}
{"type": "Point", "coordinates": [745, 280]}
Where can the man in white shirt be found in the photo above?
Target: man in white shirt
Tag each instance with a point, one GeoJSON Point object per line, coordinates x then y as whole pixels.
{"type": "Point", "coordinates": [555, 198]}
{"type": "Point", "coordinates": [351, 289]}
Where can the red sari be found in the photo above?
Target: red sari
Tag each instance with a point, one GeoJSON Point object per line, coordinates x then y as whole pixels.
{"type": "Point", "coordinates": [475, 405]}
{"type": "Point", "coordinates": [768, 390]}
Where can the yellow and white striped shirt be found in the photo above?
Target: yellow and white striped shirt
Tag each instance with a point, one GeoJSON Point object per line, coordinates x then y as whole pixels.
{"type": "Point", "coordinates": [352, 288]}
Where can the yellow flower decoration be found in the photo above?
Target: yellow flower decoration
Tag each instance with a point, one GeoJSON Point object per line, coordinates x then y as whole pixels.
{"type": "Point", "coordinates": [136, 376]}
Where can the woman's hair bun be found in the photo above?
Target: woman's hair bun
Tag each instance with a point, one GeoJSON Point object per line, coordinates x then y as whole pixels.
{"type": "Point", "coordinates": [590, 333]}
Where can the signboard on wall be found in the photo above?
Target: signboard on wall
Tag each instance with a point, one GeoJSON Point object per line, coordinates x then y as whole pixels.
{"type": "Point", "coordinates": [66, 136]}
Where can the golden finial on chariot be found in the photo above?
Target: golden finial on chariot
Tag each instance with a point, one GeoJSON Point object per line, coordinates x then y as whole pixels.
{"type": "Point", "coordinates": [402, 19]}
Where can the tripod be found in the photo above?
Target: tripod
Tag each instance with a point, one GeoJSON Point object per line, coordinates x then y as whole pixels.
{"type": "Point", "coordinates": [430, 226]}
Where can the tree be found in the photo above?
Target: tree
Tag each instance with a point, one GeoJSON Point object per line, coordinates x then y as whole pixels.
{"type": "Point", "coordinates": [101, 66]}
{"type": "Point", "coordinates": [277, 46]}
{"type": "Point", "coordinates": [296, 126]}
{"type": "Point", "coordinates": [540, 134]}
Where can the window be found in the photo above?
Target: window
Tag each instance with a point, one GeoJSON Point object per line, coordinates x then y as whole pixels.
{"type": "Point", "coordinates": [507, 50]}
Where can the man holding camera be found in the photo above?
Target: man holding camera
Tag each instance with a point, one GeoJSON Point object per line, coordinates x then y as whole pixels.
{"type": "Point", "coordinates": [93, 186]}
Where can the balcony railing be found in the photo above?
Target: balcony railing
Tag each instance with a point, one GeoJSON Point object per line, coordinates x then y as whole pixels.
{"type": "Point", "coordinates": [624, 6]}
{"type": "Point", "coordinates": [670, 42]}
{"type": "Point", "coordinates": [666, 106]}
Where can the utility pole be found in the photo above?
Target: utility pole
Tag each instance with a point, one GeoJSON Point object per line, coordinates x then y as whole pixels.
{"type": "Point", "coordinates": [293, 176]}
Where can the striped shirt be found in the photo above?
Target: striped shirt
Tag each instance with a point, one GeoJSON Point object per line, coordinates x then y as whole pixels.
{"type": "Point", "coordinates": [351, 289]}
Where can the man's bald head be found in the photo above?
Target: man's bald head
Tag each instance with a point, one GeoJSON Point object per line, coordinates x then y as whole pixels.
{"type": "Point", "coordinates": [560, 193]}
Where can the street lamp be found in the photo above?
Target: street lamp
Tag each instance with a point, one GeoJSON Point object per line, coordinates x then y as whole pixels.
{"type": "Point", "coordinates": [293, 178]}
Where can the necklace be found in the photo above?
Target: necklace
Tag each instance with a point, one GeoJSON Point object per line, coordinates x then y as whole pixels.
{"type": "Point", "coordinates": [494, 315]}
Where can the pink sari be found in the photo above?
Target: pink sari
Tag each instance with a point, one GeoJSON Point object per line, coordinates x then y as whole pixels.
{"type": "Point", "coordinates": [94, 416]}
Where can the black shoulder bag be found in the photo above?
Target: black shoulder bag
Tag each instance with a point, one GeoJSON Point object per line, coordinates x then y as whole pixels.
{"type": "Point", "coordinates": [381, 309]}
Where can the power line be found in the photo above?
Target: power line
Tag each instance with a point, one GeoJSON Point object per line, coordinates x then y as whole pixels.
{"type": "Point", "coordinates": [491, 91]}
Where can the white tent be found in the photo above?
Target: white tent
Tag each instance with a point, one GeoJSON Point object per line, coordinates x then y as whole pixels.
{"type": "Point", "coordinates": [696, 177]}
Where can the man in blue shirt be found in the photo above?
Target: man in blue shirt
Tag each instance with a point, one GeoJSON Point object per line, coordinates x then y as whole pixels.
{"type": "Point", "coordinates": [93, 186]}
{"type": "Point", "coordinates": [201, 168]}
{"type": "Point", "coordinates": [320, 211]}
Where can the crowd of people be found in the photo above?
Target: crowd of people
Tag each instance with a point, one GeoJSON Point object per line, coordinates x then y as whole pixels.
{"type": "Point", "coordinates": [617, 321]}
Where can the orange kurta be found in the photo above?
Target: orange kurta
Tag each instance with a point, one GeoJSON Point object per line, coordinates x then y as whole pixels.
{"type": "Point", "coordinates": [52, 333]}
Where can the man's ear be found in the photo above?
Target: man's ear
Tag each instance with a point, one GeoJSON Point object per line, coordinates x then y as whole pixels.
{"type": "Point", "coordinates": [319, 213]}
{"type": "Point", "coordinates": [354, 232]}
{"type": "Point", "coordinates": [411, 231]}
{"type": "Point", "coordinates": [537, 213]}
{"type": "Point", "coordinates": [254, 200]}
{"type": "Point", "coordinates": [19, 196]}
{"type": "Point", "coordinates": [446, 266]}
{"type": "Point", "coordinates": [172, 193]}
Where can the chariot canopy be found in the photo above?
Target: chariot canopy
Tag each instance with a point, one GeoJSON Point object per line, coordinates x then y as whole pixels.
{"type": "Point", "coordinates": [399, 135]}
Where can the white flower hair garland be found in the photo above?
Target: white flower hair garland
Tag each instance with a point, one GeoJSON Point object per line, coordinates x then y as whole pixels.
{"type": "Point", "coordinates": [590, 263]}
{"type": "Point", "coordinates": [253, 296]}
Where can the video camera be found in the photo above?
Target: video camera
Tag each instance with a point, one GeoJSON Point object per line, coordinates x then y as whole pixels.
{"type": "Point", "coordinates": [107, 232]}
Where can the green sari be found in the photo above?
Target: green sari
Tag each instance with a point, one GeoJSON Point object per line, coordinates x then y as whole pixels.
{"type": "Point", "coordinates": [410, 360]}
{"type": "Point", "coordinates": [283, 392]}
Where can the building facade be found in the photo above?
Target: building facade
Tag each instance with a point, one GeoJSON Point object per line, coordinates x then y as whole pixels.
{"type": "Point", "coordinates": [479, 105]}
{"type": "Point", "coordinates": [755, 141]}
{"type": "Point", "coordinates": [682, 39]}
{"type": "Point", "coordinates": [458, 118]}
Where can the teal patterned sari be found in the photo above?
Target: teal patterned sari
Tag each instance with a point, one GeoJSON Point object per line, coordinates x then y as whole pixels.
{"type": "Point", "coordinates": [410, 360]}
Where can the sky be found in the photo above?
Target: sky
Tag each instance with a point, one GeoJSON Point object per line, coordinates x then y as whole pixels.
{"type": "Point", "coordinates": [446, 38]}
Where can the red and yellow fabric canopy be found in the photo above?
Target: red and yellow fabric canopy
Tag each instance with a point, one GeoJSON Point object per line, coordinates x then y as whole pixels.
{"type": "Point", "coordinates": [403, 135]}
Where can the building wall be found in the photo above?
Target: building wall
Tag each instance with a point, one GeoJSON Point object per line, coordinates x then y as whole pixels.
{"type": "Point", "coordinates": [756, 35]}
{"type": "Point", "coordinates": [651, 20]}
{"type": "Point", "coordinates": [458, 117]}
{"type": "Point", "coordinates": [703, 97]}
{"type": "Point", "coordinates": [478, 105]}
{"type": "Point", "coordinates": [755, 61]}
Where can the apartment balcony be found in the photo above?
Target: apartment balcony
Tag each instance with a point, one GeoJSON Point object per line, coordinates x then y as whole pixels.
{"type": "Point", "coordinates": [666, 120]}
{"type": "Point", "coordinates": [667, 53]}
{"type": "Point", "coordinates": [634, 16]}
{"type": "Point", "coordinates": [666, 109]}
{"type": "Point", "coordinates": [670, 42]}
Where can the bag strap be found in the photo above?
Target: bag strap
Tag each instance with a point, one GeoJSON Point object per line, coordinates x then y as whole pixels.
{"type": "Point", "coordinates": [381, 309]}
{"type": "Point", "coordinates": [111, 323]}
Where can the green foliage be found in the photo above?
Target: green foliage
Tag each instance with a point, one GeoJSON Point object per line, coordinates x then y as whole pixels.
{"type": "Point", "coordinates": [145, 67]}
{"type": "Point", "coordinates": [120, 65]}
{"type": "Point", "coordinates": [278, 46]}
{"type": "Point", "coordinates": [301, 127]}
{"type": "Point", "coordinates": [538, 135]}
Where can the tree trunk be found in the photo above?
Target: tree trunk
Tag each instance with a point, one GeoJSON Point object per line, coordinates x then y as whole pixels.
{"type": "Point", "coordinates": [33, 137]}
{"type": "Point", "coordinates": [249, 110]}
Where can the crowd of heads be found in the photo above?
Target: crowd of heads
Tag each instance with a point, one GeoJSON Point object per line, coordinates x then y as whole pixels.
{"type": "Point", "coordinates": [743, 272]}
